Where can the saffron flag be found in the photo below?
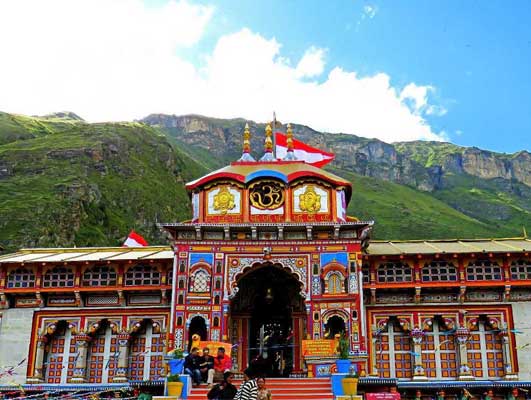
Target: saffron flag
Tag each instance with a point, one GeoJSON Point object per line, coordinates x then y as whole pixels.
{"type": "Point", "coordinates": [302, 151]}
{"type": "Point", "coordinates": [134, 240]}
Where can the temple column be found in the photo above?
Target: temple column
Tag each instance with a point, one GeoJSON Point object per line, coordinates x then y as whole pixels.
{"type": "Point", "coordinates": [462, 335]}
{"type": "Point", "coordinates": [418, 370]}
{"type": "Point", "coordinates": [82, 343]}
{"type": "Point", "coordinates": [374, 342]}
{"type": "Point", "coordinates": [38, 367]}
{"type": "Point", "coordinates": [507, 359]}
{"type": "Point", "coordinates": [123, 357]}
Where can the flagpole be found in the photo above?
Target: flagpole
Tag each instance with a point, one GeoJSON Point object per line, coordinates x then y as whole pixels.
{"type": "Point", "coordinates": [274, 135]}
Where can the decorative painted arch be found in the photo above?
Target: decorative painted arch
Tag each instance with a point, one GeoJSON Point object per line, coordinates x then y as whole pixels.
{"type": "Point", "coordinates": [136, 324]}
{"type": "Point", "coordinates": [235, 274]}
{"type": "Point", "coordinates": [94, 326]}
{"type": "Point", "coordinates": [201, 265]}
{"type": "Point", "coordinates": [344, 315]}
{"type": "Point", "coordinates": [334, 267]}
{"type": "Point", "coordinates": [492, 321]}
{"type": "Point", "coordinates": [448, 322]}
{"type": "Point", "coordinates": [50, 327]}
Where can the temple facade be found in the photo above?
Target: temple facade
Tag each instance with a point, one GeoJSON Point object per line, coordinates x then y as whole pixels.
{"type": "Point", "coordinates": [270, 259]}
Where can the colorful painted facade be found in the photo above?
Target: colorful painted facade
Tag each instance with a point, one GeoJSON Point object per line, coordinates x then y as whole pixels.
{"type": "Point", "coordinates": [269, 259]}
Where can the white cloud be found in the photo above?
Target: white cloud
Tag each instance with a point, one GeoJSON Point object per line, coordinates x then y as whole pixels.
{"type": "Point", "coordinates": [370, 11]}
{"type": "Point", "coordinates": [311, 64]}
{"type": "Point", "coordinates": [117, 60]}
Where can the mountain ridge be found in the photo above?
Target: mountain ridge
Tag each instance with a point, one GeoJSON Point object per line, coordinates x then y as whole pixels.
{"type": "Point", "coordinates": [68, 182]}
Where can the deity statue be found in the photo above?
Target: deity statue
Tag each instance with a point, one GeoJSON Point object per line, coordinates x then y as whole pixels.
{"type": "Point", "coordinates": [310, 201]}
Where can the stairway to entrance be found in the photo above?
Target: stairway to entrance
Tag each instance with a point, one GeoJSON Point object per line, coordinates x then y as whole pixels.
{"type": "Point", "coordinates": [285, 389]}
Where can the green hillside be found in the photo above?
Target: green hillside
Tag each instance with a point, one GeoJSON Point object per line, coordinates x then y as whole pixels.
{"type": "Point", "coordinates": [65, 183]}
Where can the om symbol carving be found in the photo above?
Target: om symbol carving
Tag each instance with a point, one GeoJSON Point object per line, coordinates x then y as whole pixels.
{"type": "Point", "coordinates": [310, 201]}
{"type": "Point", "coordinates": [266, 195]}
{"type": "Point", "coordinates": [224, 200]}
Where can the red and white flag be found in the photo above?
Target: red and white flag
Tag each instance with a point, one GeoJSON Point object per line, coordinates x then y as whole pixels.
{"type": "Point", "coordinates": [302, 151]}
{"type": "Point", "coordinates": [134, 240]}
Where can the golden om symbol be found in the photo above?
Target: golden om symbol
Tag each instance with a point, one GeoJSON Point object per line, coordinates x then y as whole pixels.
{"type": "Point", "coordinates": [266, 195]}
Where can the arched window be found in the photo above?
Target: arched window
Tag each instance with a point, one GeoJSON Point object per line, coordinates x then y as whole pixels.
{"type": "Point", "coordinates": [216, 299]}
{"type": "Point", "coordinates": [180, 299]}
{"type": "Point", "coordinates": [58, 277]}
{"type": "Point", "coordinates": [439, 353]}
{"type": "Point", "coordinates": [200, 281]}
{"type": "Point", "coordinates": [483, 270]}
{"type": "Point", "coordinates": [394, 272]}
{"type": "Point", "coordinates": [437, 271]}
{"type": "Point", "coordinates": [393, 349]}
{"type": "Point", "coordinates": [102, 275]}
{"type": "Point", "coordinates": [21, 278]}
{"type": "Point", "coordinates": [521, 270]}
{"type": "Point", "coordinates": [142, 275]}
{"type": "Point", "coordinates": [216, 321]}
{"type": "Point", "coordinates": [182, 267]}
{"type": "Point", "coordinates": [219, 268]}
{"type": "Point", "coordinates": [181, 283]}
{"type": "Point", "coordinates": [485, 351]}
{"type": "Point", "coordinates": [60, 355]}
{"type": "Point", "coordinates": [218, 283]}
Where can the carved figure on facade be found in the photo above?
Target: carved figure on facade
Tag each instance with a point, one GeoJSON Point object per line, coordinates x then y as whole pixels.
{"type": "Point", "coordinates": [224, 200]}
{"type": "Point", "coordinates": [310, 201]}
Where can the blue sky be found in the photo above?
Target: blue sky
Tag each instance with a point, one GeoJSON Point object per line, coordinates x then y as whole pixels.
{"type": "Point", "coordinates": [477, 54]}
{"type": "Point", "coordinates": [393, 70]}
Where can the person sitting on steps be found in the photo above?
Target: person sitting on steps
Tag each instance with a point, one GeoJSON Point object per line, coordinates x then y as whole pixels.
{"type": "Point", "coordinates": [191, 366]}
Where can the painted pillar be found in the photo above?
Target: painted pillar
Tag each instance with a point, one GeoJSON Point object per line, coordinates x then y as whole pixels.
{"type": "Point", "coordinates": [417, 335]}
{"type": "Point", "coordinates": [374, 342]}
{"type": "Point", "coordinates": [462, 335]}
{"type": "Point", "coordinates": [38, 368]}
{"type": "Point", "coordinates": [123, 358]}
{"type": "Point", "coordinates": [510, 374]}
{"type": "Point", "coordinates": [82, 343]}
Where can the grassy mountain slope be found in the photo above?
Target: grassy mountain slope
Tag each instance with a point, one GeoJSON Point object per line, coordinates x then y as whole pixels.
{"type": "Point", "coordinates": [65, 183]}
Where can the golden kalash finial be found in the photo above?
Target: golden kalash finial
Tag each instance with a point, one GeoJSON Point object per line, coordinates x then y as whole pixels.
{"type": "Point", "coordinates": [246, 153]}
{"type": "Point", "coordinates": [268, 145]}
{"type": "Point", "coordinates": [290, 155]}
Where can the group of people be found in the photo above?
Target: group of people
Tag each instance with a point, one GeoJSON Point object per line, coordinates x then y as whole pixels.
{"type": "Point", "coordinates": [206, 368]}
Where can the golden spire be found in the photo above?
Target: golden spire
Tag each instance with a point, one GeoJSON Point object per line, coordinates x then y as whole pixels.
{"type": "Point", "coordinates": [246, 153]}
{"type": "Point", "coordinates": [289, 135]}
{"type": "Point", "coordinates": [268, 145]}
{"type": "Point", "coordinates": [290, 155]}
{"type": "Point", "coordinates": [246, 139]}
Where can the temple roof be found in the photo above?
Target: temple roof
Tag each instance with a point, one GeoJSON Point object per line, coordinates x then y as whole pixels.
{"type": "Point", "coordinates": [286, 171]}
{"type": "Point", "coordinates": [376, 248]}
{"type": "Point", "coordinates": [455, 246]}
{"type": "Point", "coordinates": [78, 254]}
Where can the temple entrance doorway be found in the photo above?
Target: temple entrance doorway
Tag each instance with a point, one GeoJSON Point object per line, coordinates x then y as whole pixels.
{"type": "Point", "coordinates": [269, 311]}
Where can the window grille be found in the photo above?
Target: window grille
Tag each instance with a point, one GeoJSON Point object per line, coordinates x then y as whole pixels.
{"type": "Point", "coordinates": [439, 271]}
{"type": "Point", "coordinates": [483, 270]}
{"type": "Point", "coordinates": [200, 282]}
{"type": "Point", "coordinates": [394, 272]}
{"type": "Point", "coordinates": [21, 278]}
{"type": "Point", "coordinates": [58, 277]}
{"type": "Point", "coordinates": [521, 270]}
{"type": "Point", "coordinates": [142, 275]}
{"type": "Point", "coordinates": [485, 352]}
{"type": "Point", "coordinates": [439, 353]}
{"type": "Point", "coordinates": [102, 275]}
{"type": "Point", "coordinates": [393, 349]}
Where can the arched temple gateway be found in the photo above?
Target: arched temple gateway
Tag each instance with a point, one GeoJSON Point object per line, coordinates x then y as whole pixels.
{"type": "Point", "coordinates": [269, 260]}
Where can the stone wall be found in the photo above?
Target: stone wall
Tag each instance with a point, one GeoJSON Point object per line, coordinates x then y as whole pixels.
{"type": "Point", "coordinates": [522, 323]}
{"type": "Point", "coordinates": [15, 336]}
